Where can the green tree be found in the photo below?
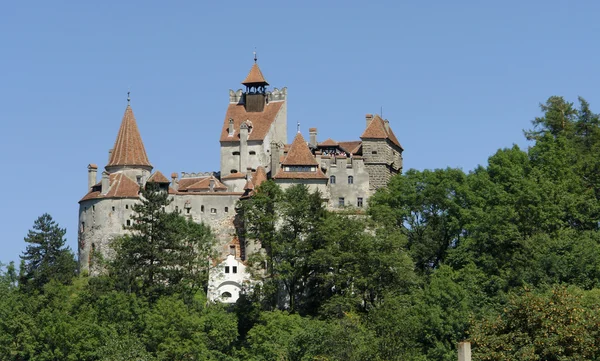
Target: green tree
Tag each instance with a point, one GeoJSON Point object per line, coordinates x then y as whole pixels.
{"type": "Point", "coordinates": [46, 257]}
{"type": "Point", "coordinates": [165, 253]}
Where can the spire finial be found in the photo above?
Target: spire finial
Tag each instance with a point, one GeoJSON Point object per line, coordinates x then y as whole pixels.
{"type": "Point", "coordinates": [298, 127]}
{"type": "Point", "coordinates": [254, 52]}
{"type": "Point", "coordinates": [128, 97]}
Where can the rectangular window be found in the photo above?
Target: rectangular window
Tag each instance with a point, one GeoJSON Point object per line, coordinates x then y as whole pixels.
{"type": "Point", "coordinates": [359, 202]}
{"type": "Point", "coordinates": [232, 250]}
{"type": "Point", "coordinates": [226, 209]}
{"type": "Point", "coordinates": [82, 226]}
{"type": "Point", "coordinates": [234, 269]}
{"type": "Point", "coordinates": [187, 210]}
{"type": "Point", "coordinates": [341, 201]}
{"type": "Point", "coordinates": [213, 210]}
{"type": "Point", "coordinates": [113, 208]}
{"type": "Point", "coordinates": [226, 269]}
{"type": "Point", "coordinates": [129, 222]}
{"type": "Point", "coordinates": [127, 206]}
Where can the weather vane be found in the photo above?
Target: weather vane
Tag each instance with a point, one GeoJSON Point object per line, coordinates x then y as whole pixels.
{"type": "Point", "coordinates": [298, 127]}
{"type": "Point", "coordinates": [128, 97]}
{"type": "Point", "coordinates": [254, 52]}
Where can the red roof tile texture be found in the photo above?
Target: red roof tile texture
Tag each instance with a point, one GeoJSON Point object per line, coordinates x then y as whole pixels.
{"type": "Point", "coordinates": [200, 184]}
{"type": "Point", "coordinates": [350, 146]}
{"type": "Point", "coordinates": [121, 186]}
{"type": "Point", "coordinates": [261, 121]}
{"type": "Point", "coordinates": [300, 175]}
{"type": "Point", "coordinates": [129, 149]}
{"type": "Point", "coordinates": [255, 76]}
{"type": "Point", "coordinates": [328, 142]}
{"type": "Point", "coordinates": [377, 130]}
{"type": "Point", "coordinates": [299, 153]}
{"type": "Point", "coordinates": [158, 177]}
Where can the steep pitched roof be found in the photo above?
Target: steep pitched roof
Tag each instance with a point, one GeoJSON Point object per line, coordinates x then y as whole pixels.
{"type": "Point", "coordinates": [377, 130]}
{"type": "Point", "coordinates": [255, 76]}
{"type": "Point", "coordinates": [129, 148]}
{"type": "Point", "coordinates": [261, 121]}
{"type": "Point", "coordinates": [299, 153]}
{"type": "Point", "coordinates": [158, 177]}
{"type": "Point", "coordinates": [259, 176]}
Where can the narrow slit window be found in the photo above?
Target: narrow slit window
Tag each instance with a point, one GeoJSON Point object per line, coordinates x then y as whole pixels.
{"type": "Point", "coordinates": [234, 269]}
{"type": "Point", "coordinates": [350, 179]}
{"type": "Point", "coordinates": [226, 269]}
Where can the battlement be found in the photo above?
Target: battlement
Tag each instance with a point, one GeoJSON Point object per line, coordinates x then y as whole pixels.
{"type": "Point", "coordinates": [276, 95]}
{"type": "Point", "coordinates": [198, 175]}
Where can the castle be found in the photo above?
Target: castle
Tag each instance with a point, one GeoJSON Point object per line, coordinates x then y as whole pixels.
{"type": "Point", "coordinates": [254, 148]}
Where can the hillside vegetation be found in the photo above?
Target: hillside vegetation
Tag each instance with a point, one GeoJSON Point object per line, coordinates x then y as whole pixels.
{"type": "Point", "coordinates": [506, 256]}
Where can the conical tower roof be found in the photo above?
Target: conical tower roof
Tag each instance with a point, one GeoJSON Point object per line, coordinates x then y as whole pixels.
{"type": "Point", "coordinates": [129, 149]}
{"type": "Point", "coordinates": [255, 77]}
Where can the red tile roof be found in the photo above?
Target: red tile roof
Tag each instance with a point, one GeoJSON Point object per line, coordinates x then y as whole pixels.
{"type": "Point", "coordinates": [300, 175]}
{"type": "Point", "coordinates": [376, 130]}
{"type": "Point", "coordinates": [236, 175]}
{"type": "Point", "coordinates": [129, 148]}
{"type": "Point", "coordinates": [350, 146]}
{"type": "Point", "coordinates": [261, 121]}
{"type": "Point", "coordinates": [299, 153]}
{"type": "Point", "coordinates": [255, 76]}
{"type": "Point", "coordinates": [158, 177]}
{"type": "Point", "coordinates": [201, 184]}
{"type": "Point", "coordinates": [259, 176]}
{"type": "Point", "coordinates": [120, 186]}
{"type": "Point", "coordinates": [328, 142]}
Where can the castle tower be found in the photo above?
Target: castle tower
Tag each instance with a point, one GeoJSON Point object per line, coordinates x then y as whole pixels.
{"type": "Point", "coordinates": [381, 151]}
{"type": "Point", "coordinates": [255, 117]}
{"type": "Point", "coordinates": [129, 154]}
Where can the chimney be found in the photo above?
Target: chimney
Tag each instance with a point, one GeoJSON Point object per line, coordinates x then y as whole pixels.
{"type": "Point", "coordinates": [174, 180]}
{"type": "Point", "coordinates": [274, 158]}
{"type": "Point", "coordinates": [313, 137]}
{"type": "Point", "coordinates": [368, 118]}
{"type": "Point", "coordinates": [386, 123]}
{"type": "Point", "coordinates": [105, 183]}
{"type": "Point", "coordinates": [92, 171]}
{"type": "Point", "coordinates": [243, 147]}
{"type": "Point", "coordinates": [110, 151]}
{"type": "Point", "coordinates": [231, 130]}
{"type": "Point", "coordinates": [212, 184]}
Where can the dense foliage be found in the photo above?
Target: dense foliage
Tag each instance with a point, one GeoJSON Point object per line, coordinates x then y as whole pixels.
{"type": "Point", "coordinates": [506, 256]}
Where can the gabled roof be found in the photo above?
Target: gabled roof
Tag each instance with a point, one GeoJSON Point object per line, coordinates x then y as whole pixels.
{"type": "Point", "coordinates": [350, 146]}
{"type": "Point", "coordinates": [129, 149]}
{"type": "Point", "coordinates": [255, 77]}
{"type": "Point", "coordinates": [261, 121]}
{"type": "Point", "coordinates": [328, 143]}
{"type": "Point", "coordinates": [158, 177]}
{"type": "Point", "coordinates": [299, 153]}
{"type": "Point", "coordinates": [377, 130]}
{"type": "Point", "coordinates": [236, 175]}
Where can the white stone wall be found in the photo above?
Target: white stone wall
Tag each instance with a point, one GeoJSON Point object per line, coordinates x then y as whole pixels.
{"type": "Point", "coordinates": [342, 168]}
{"type": "Point", "coordinates": [223, 281]}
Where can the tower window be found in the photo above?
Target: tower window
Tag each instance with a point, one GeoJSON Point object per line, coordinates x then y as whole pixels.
{"type": "Point", "coordinates": [113, 208]}
{"type": "Point", "coordinates": [234, 269]}
{"type": "Point", "coordinates": [226, 209]}
{"type": "Point", "coordinates": [213, 210]}
{"type": "Point", "coordinates": [233, 171]}
{"type": "Point", "coordinates": [341, 201]}
{"type": "Point", "coordinates": [350, 179]}
{"type": "Point", "coordinates": [232, 250]}
{"type": "Point", "coordinates": [127, 206]}
{"type": "Point", "coordinates": [129, 222]}
{"type": "Point", "coordinates": [225, 295]}
{"type": "Point", "coordinates": [187, 210]}
{"type": "Point", "coordinates": [82, 226]}
{"type": "Point", "coordinates": [359, 202]}
{"type": "Point", "coordinates": [374, 152]}
{"type": "Point", "coordinates": [332, 179]}
{"type": "Point", "coordinates": [235, 153]}
{"type": "Point", "coordinates": [252, 152]}
{"type": "Point", "coordinates": [139, 179]}
{"type": "Point", "coordinates": [202, 209]}
{"type": "Point", "coordinates": [226, 269]}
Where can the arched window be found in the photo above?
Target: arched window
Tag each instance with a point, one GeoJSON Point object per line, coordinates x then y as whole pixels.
{"type": "Point", "coordinates": [201, 208]}
{"type": "Point", "coordinates": [225, 295]}
{"type": "Point", "coordinates": [332, 179]}
{"type": "Point", "coordinates": [350, 179]}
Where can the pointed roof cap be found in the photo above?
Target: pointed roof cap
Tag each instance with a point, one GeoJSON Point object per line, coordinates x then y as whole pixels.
{"type": "Point", "coordinates": [129, 149]}
{"type": "Point", "coordinates": [299, 153]}
{"type": "Point", "coordinates": [255, 77]}
{"type": "Point", "coordinates": [158, 177]}
{"type": "Point", "coordinates": [377, 129]}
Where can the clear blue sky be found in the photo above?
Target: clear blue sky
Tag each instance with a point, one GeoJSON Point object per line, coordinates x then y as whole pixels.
{"type": "Point", "coordinates": [456, 79]}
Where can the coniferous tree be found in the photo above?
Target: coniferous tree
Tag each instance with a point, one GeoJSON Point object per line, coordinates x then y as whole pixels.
{"type": "Point", "coordinates": [46, 257]}
{"type": "Point", "coordinates": [165, 253]}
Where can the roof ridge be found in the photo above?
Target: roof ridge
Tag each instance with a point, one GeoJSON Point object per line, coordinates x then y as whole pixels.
{"type": "Point", "coordinates": [299, 153]}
